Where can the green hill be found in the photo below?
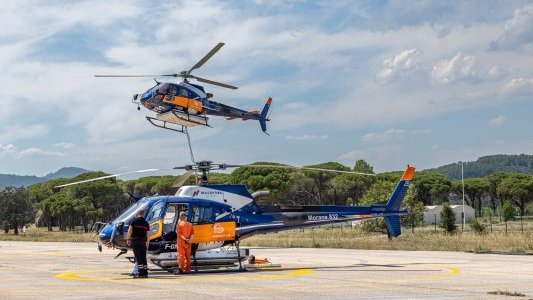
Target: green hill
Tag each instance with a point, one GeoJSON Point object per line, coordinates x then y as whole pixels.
{"type": "Point", "coordinates": [26, 180]}
{"type": "Point", "coordinates": [487, 165]}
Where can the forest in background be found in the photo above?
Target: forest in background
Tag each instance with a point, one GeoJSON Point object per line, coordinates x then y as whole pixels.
{"type": "Point", "coordinates": [100, 201]}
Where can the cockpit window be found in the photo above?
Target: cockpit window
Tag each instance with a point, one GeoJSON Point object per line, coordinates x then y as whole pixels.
{"type": "Point", "coordinates": [201, 214]}
{"type": "Point", "coordinates": [184, 92]}
{"type": "Point", "coordinates": [131, 212]}
{"type": "Point", "coordinates": [172, 90]}
{"type": "Point", "coordinates": [162, 89]}
{"type": "Point", "coordinates": [155, 212]}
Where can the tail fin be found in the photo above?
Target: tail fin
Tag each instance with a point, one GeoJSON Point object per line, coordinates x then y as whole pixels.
{"type": "Point", "coordinates": [396, 199]}
{"type": "Point", "coordinates": [264, 112]}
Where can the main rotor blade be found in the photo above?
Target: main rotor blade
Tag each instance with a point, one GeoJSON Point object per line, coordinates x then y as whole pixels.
{"type": "Point", "coordinates": [153, 75]}
{"type": "Point", "coordinates": [182, 179]}
{"type": "Point", "coordinates": [214, 82]}
{"type": "Point", "coordinates": [299, 168]}
{"type": "Point", "coordinates": [108, 176]}
{"type": "Point", "coordinates": [202, 61]}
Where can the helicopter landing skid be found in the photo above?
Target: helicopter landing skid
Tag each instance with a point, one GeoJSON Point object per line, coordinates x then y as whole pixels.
{"type": "Point", "coordinates": [179, 117]}
{"type": "Point", "coordinates": [163, 124]}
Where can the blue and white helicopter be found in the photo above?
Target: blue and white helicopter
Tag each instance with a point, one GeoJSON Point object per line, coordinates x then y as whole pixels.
{"type": "Point", "coordinates": [187, 104]}
{"type": "Point", "coordinates": [225, 214]}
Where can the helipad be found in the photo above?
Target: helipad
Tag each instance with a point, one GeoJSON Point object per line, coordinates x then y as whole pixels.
{"type": "Point", "coordinates": [77, 270]}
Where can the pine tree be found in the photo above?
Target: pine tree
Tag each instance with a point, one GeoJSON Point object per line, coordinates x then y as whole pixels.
{"type": "Point", "coordinates": [447, 219]}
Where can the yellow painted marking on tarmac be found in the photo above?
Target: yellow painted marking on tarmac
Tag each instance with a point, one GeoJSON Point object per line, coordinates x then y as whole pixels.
{"type": "Point", "coordinates": [453, 272]}
{"type": "Point", "coordinates": [58, 252]}
{"type": "Point", "coordinates": [77, 276]}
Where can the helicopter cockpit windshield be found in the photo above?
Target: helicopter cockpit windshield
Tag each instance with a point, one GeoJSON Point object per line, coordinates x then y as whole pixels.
{"type": "Point", "coordinates": [131, 212]}
{"type": "Point", "coordinates": [153, 98]}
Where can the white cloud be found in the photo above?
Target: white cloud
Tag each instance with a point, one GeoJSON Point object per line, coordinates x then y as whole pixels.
{"type": "Point", "coordinates": [519, 86]}
{"type": "Point", "coordinates": [400, 64]}
{"type": "Point", "coordinates": [7, 149]}
{"type": "Point", "coordinates": [497, 121]}
{"type": "Point", "coordinates": [352, 155]}
{"type": "Point", "coordinates": [11, 150]}
{"type": "Point", "coordinates": [421, 131]}
{"type": "Point", "coordinates": [393, 133]}
{"type": "Point", "coordinates": [518, 31]}
{"type": "Point", "coordinates": [383, 136]}
{"type": "Point", "coordinates": [65, 145]}
{"type": "Point", "coordinates": [306, 137]}
{"type": "Point", "coordinates": [38, 152]}
{"type": "Point", "coordinates": [46, 19]}
{"type": "Point", "coordinates": [461, 66]}
{"type": "Point", "coordinates": [22, 132]}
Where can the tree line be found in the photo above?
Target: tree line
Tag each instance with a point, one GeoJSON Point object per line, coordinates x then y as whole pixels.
{"type": "Point", "coordinates": [85, 204]}
{"type": "Point", "coordinates": [486, 165]}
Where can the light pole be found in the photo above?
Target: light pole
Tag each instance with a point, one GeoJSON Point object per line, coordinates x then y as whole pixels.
{"type": "Point", "coordinates": [463, 184]}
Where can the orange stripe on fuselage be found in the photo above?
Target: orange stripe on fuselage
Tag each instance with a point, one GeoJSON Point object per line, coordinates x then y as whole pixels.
{"type": "Point", "coordinates": [409, 173]}
{"type": "Point", "coordinates": [184, 102]}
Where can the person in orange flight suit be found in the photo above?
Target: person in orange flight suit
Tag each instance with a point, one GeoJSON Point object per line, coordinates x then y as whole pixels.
{"type": "Point", "coordinates": [185, 233]}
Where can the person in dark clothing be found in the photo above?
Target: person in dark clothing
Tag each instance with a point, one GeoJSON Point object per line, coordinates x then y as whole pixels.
{"type": "Point", "coordinates": [139, 240]}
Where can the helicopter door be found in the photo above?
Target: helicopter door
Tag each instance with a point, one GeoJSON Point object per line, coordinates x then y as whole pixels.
{"type": "Point", "coordinates": [206, 230]}
{"type": "Point", "coordinates": [171, 218]}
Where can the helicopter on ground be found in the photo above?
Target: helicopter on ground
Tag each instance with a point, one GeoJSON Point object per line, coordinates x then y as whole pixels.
{"type": "Point", "coordinates": [187, 104]}
{"type": "Point", "coordinates": [225, 214]}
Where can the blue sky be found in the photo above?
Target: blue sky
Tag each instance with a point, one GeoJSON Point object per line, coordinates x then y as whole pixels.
{"type": "Point", "coordinates": [391, 82]}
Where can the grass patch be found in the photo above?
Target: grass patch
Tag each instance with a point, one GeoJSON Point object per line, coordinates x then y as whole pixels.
{"type": "Point", "coordinates": [481, 249]}
{"type": "Point", "coordinates": [43, 235]}
{"type": "Point", "coordinates": [506, 293]}
{"type": "Point", "coordinates": [349, 238]}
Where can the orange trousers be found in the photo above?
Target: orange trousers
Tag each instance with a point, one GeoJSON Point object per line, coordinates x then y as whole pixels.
{"type": "Point", "coordinates": [184, 258]}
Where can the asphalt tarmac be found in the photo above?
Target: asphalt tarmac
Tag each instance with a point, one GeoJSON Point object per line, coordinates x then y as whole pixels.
{"type": "Point", "coordinates": [77, 271]}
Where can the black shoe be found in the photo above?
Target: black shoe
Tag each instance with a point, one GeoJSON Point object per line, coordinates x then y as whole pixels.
{"type": "Point", "coordinates": [142, 276]}
{"type": "Point", "coordinates": [132, 274]}
{"type": "Point", "coordinates": [179, 272]}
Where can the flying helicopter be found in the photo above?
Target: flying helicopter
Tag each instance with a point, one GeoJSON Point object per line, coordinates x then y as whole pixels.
{"type": "Point", "coordinates": [187, 104]}
{"type": "Point", "coordinates": [225, 214]}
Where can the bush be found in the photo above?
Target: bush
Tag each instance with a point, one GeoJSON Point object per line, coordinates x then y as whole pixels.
{"type": "Point", "coordinates": [508, 211]}
{"type": "Point", "coordinates": [477, 226]}
{"type": "Point", "coordinates": [374, 225]}
{"type": "Point", "coordinates": [447, 219]}
{"type": "Point", "coordinates": [481, 249]}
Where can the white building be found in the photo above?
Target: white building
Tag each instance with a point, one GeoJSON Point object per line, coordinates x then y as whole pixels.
{"type": "Point", "coordinates": [432, 213]}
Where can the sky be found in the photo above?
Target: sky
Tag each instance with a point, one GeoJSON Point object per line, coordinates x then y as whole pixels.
{"type": "Point", "coordinates": [424, 83]}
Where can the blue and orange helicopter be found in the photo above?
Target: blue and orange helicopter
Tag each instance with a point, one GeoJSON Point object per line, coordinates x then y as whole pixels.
{"type": "Point", "coordinates": [187, 104]}
{"type": "Point", "coordinates": [225, 214]}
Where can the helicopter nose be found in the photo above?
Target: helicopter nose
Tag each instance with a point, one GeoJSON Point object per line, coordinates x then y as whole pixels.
{"type": "Point", "coordinates": [105, 233]}
{"type": "Point", "coordinates": [146, 96]}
